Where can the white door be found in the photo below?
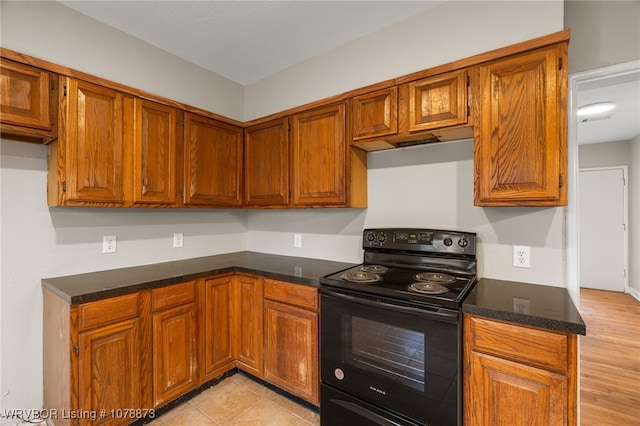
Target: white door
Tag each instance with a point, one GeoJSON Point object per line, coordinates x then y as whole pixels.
{"type": "Point", "coordinates": [602, 215]}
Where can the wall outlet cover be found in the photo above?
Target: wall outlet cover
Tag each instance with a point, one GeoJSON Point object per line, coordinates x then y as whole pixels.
{"type": "Point", "coordinates": [109, 244]}
{"type": "Point", "coordinates": [522, 256]}
{"type": "Point", "coordinates": [178, 240]}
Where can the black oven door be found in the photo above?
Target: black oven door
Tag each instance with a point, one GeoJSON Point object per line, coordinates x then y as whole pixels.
{"type": "Point", "coordinates": [392, 354]}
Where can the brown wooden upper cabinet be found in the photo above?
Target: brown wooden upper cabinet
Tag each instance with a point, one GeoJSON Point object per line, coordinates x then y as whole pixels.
{"type": "Point", "coordinates": [86, 163]}
{"type": "Point", "coordinates": [438, 101]}
{"type": "Point", "coordinates": [520, 129]}
{"type": "Point", "coordinates": [375, 114]}
{"type": "Point", "coordinates": [212, 162]}
{"type": "Point", "coordinates": [154, 153]}
{"type": "Point", "coordinates": [431, 109]}
{"type": "Point", "coordinates": [319, 161]}
{"type": "Point", "coordinates": [27, 102]}
{"type": "Point", "coordinates": [266, 164]}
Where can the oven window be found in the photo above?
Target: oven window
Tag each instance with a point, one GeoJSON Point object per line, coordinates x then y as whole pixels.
{"type": "Point", "coordinates": [386, 350]}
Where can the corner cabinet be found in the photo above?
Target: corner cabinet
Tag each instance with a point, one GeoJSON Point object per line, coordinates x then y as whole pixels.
{"type": "Point", "coordinates": [521, 129]}
{"type": "Point", "coordinates": [218, 320]}
{"type": "Point", "coordinates": [212, 163]}
{"type": "Point", "coordinates": [249, 331]}
{"type": "Point", "coordinates": [515, 374]}
{"type": "Point", "coordinates": [28, 102]}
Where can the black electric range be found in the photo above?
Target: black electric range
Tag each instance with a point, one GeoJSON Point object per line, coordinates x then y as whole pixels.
{"type": "Point", "coordinates": [424, 266]}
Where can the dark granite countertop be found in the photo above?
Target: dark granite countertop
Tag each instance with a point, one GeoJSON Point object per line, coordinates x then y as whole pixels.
{"type": "Point", "coordinates": [93, 286]}
{"type": "Point", "coordinates": [528, 304]}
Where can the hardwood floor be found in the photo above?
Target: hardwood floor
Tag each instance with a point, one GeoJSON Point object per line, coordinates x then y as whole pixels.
{"type": "Point", "coordinates": [609, 359]}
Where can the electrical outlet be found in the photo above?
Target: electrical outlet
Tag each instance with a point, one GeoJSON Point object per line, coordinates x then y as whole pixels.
{"type": "Point", "coordinates": [297, 240]}
{"type": "Point", "coordinates": [109, 244]}
{"type": "Point", "coordinates": [521, 256]}
{"type": "Point", "coordinates": [178, 240]}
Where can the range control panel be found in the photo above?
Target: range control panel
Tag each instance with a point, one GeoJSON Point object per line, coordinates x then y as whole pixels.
{"type": "Point", "coordinates": [420, 240]}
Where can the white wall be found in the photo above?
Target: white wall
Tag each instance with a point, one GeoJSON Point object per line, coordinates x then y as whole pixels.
{"type": "Point", "coordinates": [634, 218]}
{"type": "Point", "coordinates": [604, 154]}
{"type": "Point", "coordinates": [451, 31]}
{"type": "Point", "coordinates": [402, 182]}
{"type": "Point", "coordinates": [603, 33]}
{"type": "Point", "coordinates": [429, 186]}
{"type": "Point", "coordinates": [37, 241]}
{"type": "Point", "coordinates": [622, 153]}
{"type": "Point", "coordinates": [50, 31]}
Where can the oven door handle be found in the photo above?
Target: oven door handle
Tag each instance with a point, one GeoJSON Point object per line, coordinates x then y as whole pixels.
{"type": "Point", "coordinates": [363, 412]}
{"type": "Point", "coordinates": [433, 313]}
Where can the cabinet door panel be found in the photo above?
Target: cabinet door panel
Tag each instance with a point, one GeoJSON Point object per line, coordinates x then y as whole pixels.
{"type": "Point", "coordinates": [291, 349]}
{"type": "Point", "coordinates": [154, 153]}
{"type": "Point", "coordinates": [24, 95]}
{"type": "Point", "coordinates": [212, 162]}
{"type": "Point", "coordinates": [266, 164]}
{"type": "Point", "coordinates": [319, 157]}
{"type": "Point", "coordinates": [520, 135]}
{"type": "Point", "coordinates": [174, 353]}
{"type": "Point", "coordinates": [250, 323]}
{"type": "Point", "coordinates": [375, 114]}
{"type": "Point", "coordinates": [93, 142]}
{"type": "Point", "coordinates": [505, 393]}
{"type": "Point", "coordinates": [438, 101]}
{"type": "Point", "coordinates": [109, 370]}
{"type": "Point", "coordinates": [218, 322]}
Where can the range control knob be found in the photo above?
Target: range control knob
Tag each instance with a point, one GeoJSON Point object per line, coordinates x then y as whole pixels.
{"type": "Point", "coordinates": [371, 237]}
{"type": "Point", "coordinates": [463, 242]}
{"type": "Point", "coordinates": [447, 241]}
{"type": "Point", "coordinates": [382, 238]}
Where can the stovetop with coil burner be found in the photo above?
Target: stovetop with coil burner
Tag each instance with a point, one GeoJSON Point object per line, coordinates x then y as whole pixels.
{"type": "Point", "coordinates": [423, 266]}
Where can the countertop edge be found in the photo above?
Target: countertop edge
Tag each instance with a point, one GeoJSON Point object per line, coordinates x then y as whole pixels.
{"type": "Point", "coordinates": [533, 305]}
{"type": "Point", "coordinates": [527, 320]}
{"type": "Point", "coordinates": [242, 266]}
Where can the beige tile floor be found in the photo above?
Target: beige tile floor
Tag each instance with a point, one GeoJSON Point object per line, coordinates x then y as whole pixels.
{"type": "Point", "coordinates": [239, 401]}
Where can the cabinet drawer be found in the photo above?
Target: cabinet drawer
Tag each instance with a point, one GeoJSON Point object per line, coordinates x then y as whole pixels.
{"type": "Point", "coordinates": [293, 294]}
{"type": "Point", "coordinates": [519, 343]}
{"type": "Point", "coordinates": [107, 311]}
{"type": "Point", "coordinates": [173, 295]}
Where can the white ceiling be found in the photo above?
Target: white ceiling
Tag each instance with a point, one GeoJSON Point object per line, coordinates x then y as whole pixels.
{"type": "Point", "coordinates": [620, 124]}
{"type": "Point", "coordinates": [246, 41]}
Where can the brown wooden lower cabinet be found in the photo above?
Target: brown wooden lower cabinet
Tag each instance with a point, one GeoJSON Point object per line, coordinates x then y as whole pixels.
{"type": "Point", "coordinates": [142, 350]}
{"type": "Point", "coordinates": [515, 374]}
{"type": "Point", "coordinates": [249, 324]}
{"type": "Point", "coordinates": [97, 359]}
{"type": "Point", "coordinates": [175, 342]}
{"type": "Point", "coordinates": [218, 316]}
{"type": "Point", "coordinates": [291, 338]}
